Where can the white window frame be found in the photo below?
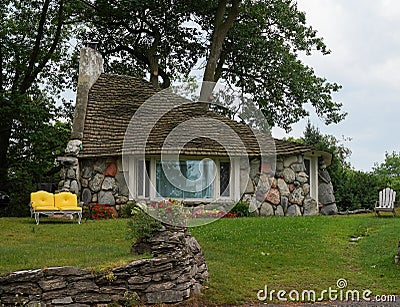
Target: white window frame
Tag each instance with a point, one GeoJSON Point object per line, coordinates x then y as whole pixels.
{"type": "Point", "coordinates": [313, 175]}
{"type": "Point", "coordinates": [234, 187]}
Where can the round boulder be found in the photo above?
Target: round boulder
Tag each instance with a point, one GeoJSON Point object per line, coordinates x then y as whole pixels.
{"type": "Point", "coordinates": [325, 194]}
{"type": "Point", "coordinates": [289, 175]}
{"type": "Point", "coordinates": [266, 210]}
{"type": "Point", "coordinates": [106, 198]}
{"type": "Point", "coordinates": [96, 182]}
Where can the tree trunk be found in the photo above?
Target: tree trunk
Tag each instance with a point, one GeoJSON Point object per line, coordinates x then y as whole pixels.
{"type": "Point", "coordinates": [153, 67]}
{"type": "Point", "coordinates": [222, 25]}
{"type": "Point", "coordinates": [5, 135]}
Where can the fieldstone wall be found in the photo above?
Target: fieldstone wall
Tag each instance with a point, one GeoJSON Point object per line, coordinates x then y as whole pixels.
{"type": "Point", "coordinates": [70, 172]}
{"type": "Point", "coordinates": [93, 180]}
{"type": "Point", "coordinates": [176, 273]}
{"type": "Point", "coordinates": [103, 182]}
{"type": "Point", "coordinates": [326, 195]}
{"type": "Point", "coordinates": [286, 192]}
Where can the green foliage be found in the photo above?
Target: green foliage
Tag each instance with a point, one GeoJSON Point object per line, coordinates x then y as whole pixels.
{"type": "Point", "coordinates": [131, 299]}
{"type": "Point", "coordinates": [356, 189]}
{"type": "Point", "coordinates": [255, 49]}
{"type": "Point", "coordinates": [241, 209]}
{"type": "Point", "coordinates": [261, 57]}
{"type": "Point", "coordinates": [389, 171]}
{"type": "Point", "coordinates": [170, 212]}
{"type": "Point", "coordinates": [238, 252]}
{"type": "Point", "coordinates": [353, 189]}
{"type": "Point", "coordinates": [36, 142]}
{"type": "Point", "coordinates": [142, 37]}
{"type": "Point", "coordinates": [128, 209]}
{"type": "Point", "coordinates": [34, 53]}
{"type": "Point", "coordinates": [313, 137]}
{"type": "Point", "coordinates": [141, 226]}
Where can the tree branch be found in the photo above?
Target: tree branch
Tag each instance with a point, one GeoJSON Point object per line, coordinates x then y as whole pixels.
{"type": "Point", "coordinates": [51, 50]}
{"type": "Point", "coordinates": [221, 29]}
{"type": "Point", "coordinates": [143, 59]}
{"type": "Point", "coordinates": [36, 48]}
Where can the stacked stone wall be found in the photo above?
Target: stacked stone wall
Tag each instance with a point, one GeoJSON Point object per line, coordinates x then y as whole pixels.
{"type": "Point", "coordinates": [286, 191]}
{"type": "Point", "coordinates": [282, 189]}
{"type": "Point", "coordinates": [103, 182]}
{"type": "Point", "coordinates": [176, 272]}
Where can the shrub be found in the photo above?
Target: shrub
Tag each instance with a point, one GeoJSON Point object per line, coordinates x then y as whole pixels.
{"type": "Point", "coordinates": [126, 210]}
{"type": "Point", "coordinates": [98, 212]}
{"type": "Point", "coordinates": [202, 213]}
{"type": "Point", "coordinates": [241, 209]}
{"type": "Point", "coordinates": [171, 212]}
{"type": "Point", "coordinates": [141, 226]}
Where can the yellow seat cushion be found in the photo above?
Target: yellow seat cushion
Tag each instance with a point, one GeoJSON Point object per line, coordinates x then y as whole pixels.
{"type": "Point", "coordinates": [66, 201]}
{"type": "Point", "coordinates": [42, 200]}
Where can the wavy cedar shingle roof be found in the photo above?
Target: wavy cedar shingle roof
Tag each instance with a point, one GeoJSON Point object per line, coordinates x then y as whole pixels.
{"type": "Point", "coordinates": [114, 99]}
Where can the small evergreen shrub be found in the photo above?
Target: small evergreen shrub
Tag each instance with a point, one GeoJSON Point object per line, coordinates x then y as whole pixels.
{"type": "Point", "coordinates": [142, 226]}
{"type": "Point", "coordinates": [241, 209]}
{"type": "Point", "coordinates": [127, 209]}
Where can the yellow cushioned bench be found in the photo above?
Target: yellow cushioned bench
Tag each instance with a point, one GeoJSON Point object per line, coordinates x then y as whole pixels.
{"type": "Point", "coordinates": [46, 203]}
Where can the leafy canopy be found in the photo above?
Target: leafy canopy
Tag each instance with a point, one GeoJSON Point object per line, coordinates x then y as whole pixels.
{"type": "Point", "coordinates": [34, 62]}
{"type": "Point", "coordinates": [252, 45]}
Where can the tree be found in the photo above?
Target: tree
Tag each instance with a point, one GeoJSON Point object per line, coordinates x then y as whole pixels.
{"type": "Point", "coordinates": [34, 44]}
{"type": "Point", "coordinates": [390, 167]}
{"type": "Point", "coordinates": [353, 189]}
{"type": "Point", "coordinates": [340, 153]}
{"type": "Point", "coordinates": [389, 171]}
{"type": "Point", "coordinates": [35, 144]}
{"type": "Point", "coordinates": [142, 38]}
{"type": "Point", "coordinates": [253, 46]}
{"type": "Point", "coordinates": [260, 57]}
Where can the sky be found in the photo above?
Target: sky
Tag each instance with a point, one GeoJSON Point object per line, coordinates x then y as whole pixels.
{"type": "Point", "coordinates": [364, 37]}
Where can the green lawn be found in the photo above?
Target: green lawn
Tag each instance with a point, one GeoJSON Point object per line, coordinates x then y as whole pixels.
{"type": "Point", "coordinates": [93, 244]}
{"type": "Point", "coordinates": [309, 253]}
{"type": "Point", "coordinates": [243, 255]}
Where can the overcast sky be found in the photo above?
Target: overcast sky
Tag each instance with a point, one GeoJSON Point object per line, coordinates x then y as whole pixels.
{"type": "Point", "coordinates": [364, 36]}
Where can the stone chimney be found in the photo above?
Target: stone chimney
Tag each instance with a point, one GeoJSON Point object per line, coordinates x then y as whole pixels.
{"type": "Point", "coordinates": [90, 68]}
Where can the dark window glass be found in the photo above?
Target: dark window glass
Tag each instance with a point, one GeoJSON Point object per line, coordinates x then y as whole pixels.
{"type": "Point", "coordinates": [224, 178]}
{"type": "Point", "coordinates": [307, 164]}
{"type": "Point", "coordinates": [143, 179]}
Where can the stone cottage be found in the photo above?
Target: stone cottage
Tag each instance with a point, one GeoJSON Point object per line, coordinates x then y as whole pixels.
{"type": "Point", "coordinates": [106, 163]}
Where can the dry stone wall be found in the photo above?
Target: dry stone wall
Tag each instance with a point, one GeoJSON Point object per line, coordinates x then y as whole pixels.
{"type": "Point", "coordinates": [176, 272]}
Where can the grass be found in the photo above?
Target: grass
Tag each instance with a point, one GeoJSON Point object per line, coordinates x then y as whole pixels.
{"type": "Point", "coordinates": [91, 245]}
{"type": "Point", "coordinates": [310, 253]}
{"type": "Point", "coordinates": [243, 255]}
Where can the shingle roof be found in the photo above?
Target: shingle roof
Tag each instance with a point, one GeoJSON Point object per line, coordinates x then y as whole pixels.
{"type": "Point", "coordinates": [113, 101]}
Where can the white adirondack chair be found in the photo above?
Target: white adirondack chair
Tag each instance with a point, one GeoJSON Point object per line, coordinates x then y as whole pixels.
{"type": "Point", "coordinates": [386, 201]}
